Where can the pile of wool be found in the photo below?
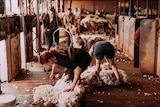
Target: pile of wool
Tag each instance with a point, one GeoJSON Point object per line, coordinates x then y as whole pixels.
{"type": "Point", "coordinates": [71, 99]}
{"type": "Point", "coordinates": [91, 20]}
{"type": "Point", "coordinates": [56, 95]}
{"type": "Point", "coordinates": [86, 43]}
{"type": "Point", "coordinates": [105, 77]}
{"type": "Point", "coordinates": [98, 24]}
{"type": "Point", "coordinates": [108, 77]}
{"type": "Point", "coordinates": [90, 77]}
{"type": "Point", "coordinates": [110, 16]}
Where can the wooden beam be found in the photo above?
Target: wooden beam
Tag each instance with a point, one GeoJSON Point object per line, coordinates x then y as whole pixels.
{"type": "Point", "coordinates": [147, 6]}
{"type": "Point", "coordinates": [159, 8]}
{"type": "Point", "coordinates": [70, 4]}
{"type": "Point", "coordinates": [88, 0]}
{"type": "Point", "coordinates": [38, 26]}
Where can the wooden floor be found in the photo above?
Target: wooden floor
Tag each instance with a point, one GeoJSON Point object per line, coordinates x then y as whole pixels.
{"type": "Point", "coordinates": [140, 91]}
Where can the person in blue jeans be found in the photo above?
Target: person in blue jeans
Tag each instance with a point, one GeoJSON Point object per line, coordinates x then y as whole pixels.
{"type": "Point", "coordinates": [51, 27]}
{"type": "Point", "coordinates": [100, 50]}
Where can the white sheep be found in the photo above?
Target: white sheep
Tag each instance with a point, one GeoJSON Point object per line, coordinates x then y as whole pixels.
{"type": "Point", "coordinates": [57, 96]}
{"type": "Point", "coordinates": [71, 99]}
{"type": "Point", "coordinates": [89, 77]}
{"type": "Point", "coordinates": [106, 76]}
{"type": "Point", "coordinates": [46, 92]}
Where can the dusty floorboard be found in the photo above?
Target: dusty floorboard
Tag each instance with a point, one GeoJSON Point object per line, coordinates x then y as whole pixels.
{"type": "Point", "coordinates": [140, 91]}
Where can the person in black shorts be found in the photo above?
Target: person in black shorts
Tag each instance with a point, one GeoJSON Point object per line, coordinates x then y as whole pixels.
{"type": "Point", "coordinates": [80, 62]}
{"type": "Point", "coordinates": [100, 50]}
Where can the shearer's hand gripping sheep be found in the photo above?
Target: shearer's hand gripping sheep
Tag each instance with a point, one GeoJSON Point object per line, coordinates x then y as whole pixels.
{"type": "Point", "coordinates": [70, 49]}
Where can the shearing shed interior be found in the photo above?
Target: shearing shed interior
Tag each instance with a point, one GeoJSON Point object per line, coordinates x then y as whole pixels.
{"type": "Point", "coordinates": [48, 53]}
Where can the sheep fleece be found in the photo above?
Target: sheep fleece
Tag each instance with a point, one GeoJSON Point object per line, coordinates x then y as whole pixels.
{"type": "Point", "coordinates": [56, 96]}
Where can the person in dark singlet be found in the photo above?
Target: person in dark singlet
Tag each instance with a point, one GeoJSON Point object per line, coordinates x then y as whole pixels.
{"type": "Point", "coordinates": [100, 50]}
{"type": "Point", "coordinates": [77, 65]}
{"type": "Point", "coordinates": [51, 27]}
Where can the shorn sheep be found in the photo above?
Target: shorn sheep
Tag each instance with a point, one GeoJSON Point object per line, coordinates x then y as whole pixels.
{"type": "Point", "coordinates": [56, 96]}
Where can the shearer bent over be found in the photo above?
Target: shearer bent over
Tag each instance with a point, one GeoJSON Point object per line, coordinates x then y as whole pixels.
{"type": "Point", "coordinates": [80, 62]}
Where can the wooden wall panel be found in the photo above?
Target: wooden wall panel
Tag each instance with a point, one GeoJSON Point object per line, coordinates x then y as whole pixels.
{"type": "Point", "coordinates": [107, 5]}
{"type": "Point", "coordinates": [126, 33]}
{"type": "Point", "coordinates": [9, 63]}
{"type": "Point", "coordinates": [15, 55]}
{"type": "Point", "coordinates": [121, 31]}
{"type": "Point", "coordinates": [129, 30]}
{"type": "Point", "coordinates": [147, 45]}
{"type": "Point", "coordinates": [158, 52]}
{"type": "Point", "coordinates": [116, 35]}
{"type": "Point", "coordinates": [131, 36]}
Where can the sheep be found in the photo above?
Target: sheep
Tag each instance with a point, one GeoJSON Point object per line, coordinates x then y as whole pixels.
{"type": "Point", "coordinates": [106, 76]}
{"type": "Point", "coordinates": [46, 93]}
{"type": "Point", "coordinates": [71, 99]}
{"type": "Point", "coordinates": [89, 77]}
{"type": "Point", "coordinates": [55, 94]}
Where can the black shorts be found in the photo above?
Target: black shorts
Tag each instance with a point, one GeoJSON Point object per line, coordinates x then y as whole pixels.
{"type": "Point", "coordinates": [103, 48]}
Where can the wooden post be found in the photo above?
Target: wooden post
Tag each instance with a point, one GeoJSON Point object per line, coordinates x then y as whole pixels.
{"type": "Point", "coordinates": [137, 8]}
{"type": "Point", "coordinates": [4, 8]}
{"type": "Point", "coordinates": [147, 5]}
{"type": "Point", "coordinates": [70, 4]}
{"type": "Point", "coordinates": [24, 30]}
{"type": "Point", "coordinates": [38, 27]}
{"type": "Point", "coordinates": [159, 8]}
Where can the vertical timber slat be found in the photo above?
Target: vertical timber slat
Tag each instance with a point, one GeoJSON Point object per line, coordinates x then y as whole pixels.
{"type": "Point", "coordinates": [126, 33]}
{"type": "Point", "coordinates": [147, 46]}
{"type": "Point", "coordinates": [15, 55]}
{"type": "Point", "coordinates": [131, 35]}
{"type": "Point", "coordinates": [121, 31]}
{"type": "Point", "coordinates": [9, 61]}
{"type": "Point", "coordinates": [158, 51]}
